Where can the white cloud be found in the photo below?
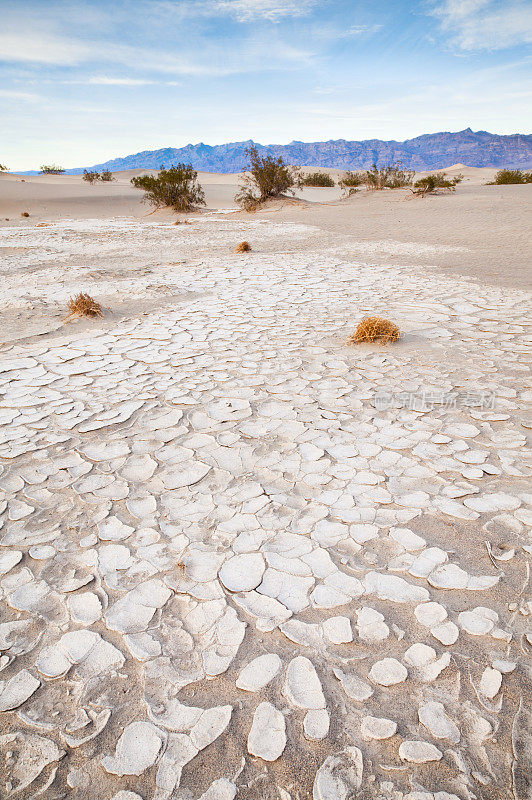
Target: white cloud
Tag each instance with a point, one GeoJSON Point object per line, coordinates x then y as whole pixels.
{"type": "Point", "coordinates": [13, 95]}
{"type": "Point", "coordinates": [486, 24]}
{"type": "Point", "coordinates": [362, 30]}
{"type": "Point", "coordinates": [273, 10]}
{"type": "Point", "coordinates": [25, 45]}
{"type": "Point", "coordinates": [204, 57]}
{"type": "Point", "coordinates": [241, 10]}
{"type": "Point", "coordinates": [103, 81]}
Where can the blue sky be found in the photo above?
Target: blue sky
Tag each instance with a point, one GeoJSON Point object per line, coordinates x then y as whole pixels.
{"type": "Point", "coordinates": [82, 82]}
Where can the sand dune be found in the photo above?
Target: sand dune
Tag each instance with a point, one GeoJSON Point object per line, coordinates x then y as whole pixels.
{"type": "Point", "coordinates": [488, 223]}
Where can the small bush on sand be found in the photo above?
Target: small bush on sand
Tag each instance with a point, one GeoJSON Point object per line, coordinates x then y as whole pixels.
{"type": "Point", "coordinates": [392, 176]}
{"type": "Point", "coordinates": [243, 247]}
{"type": "Point", "coordinates": [83, 305]}
{"type": "Point", "coordinates": [508, 176]}
{"type": "Point", "coordinates": [90, 177]}
{"type": "Point", "coordinates": [431, 184]}
{"type": "Point", "coordinates": [351, 181]}
{"type": "Point", "coordinates": [372, 329]}
{"type": "Point", "coordinates": [265, 177]}
{"type": "Point", "coordinates": [51, 169]}
{"type": "Point", "coordinates": [317, 179]}
{"type": "Point", "coordinates": [3, 168]}
{"type": "Point", "coordinates": [24, 214]}
{"type": "Point", "coordinates": [176, 187]}
{"type": "Point", "coordinates": [104, 176]}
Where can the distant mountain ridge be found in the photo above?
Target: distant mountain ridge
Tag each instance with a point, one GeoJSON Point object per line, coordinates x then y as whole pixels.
{"type": "Point", "coordinates": [427, 152]}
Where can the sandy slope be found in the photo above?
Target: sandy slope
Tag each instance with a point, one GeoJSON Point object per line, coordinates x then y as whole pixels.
{"type": "Point", "coordinates": [487, 226]}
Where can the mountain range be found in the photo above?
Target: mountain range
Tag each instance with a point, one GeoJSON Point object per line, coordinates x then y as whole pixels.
{"type": "Point", "coordinates": [428, 152]}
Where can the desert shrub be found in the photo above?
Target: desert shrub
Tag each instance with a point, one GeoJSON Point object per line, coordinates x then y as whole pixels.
{"type": "Point", "coordinates": [435, 182]}
{"type": "Point", "coordinates": [83, 305]}
{"type": "Point", "coordinates": [351, 181]}
{"type": "Point", "coordinates": [24, 214]}
{"type": "Point", "coordinates": [243, 247]}
{"type": "Point", "coordinates": [90, 177]}
{"type": "Point", "coordinates": [507, 176]}
{"type": "Point", "coordinates": [51, 169]}
{"type": "Point", "coordinates": [104, 176]}
{"type": "Point", "coordinates": [3, 168]}
{"type": "Point", "coordinates": [176, 187]}
{"type": "Point", "coordinates": [372, 329]}
{"type": "Point", "coordinates": [317, 179]}
{"type": "Point", "coordinates": [392, 176]}
{"type": "Point", "coordinates": [265, 177]}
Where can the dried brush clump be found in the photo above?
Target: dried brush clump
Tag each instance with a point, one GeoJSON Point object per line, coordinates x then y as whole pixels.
{"type": "Point", "coordinates": [373, 329]}
{"type": "Point", "coordinates": [243, 247]}
{"type": "Point", "coordinates": [83, 305]}
{"type": "Point", "coordinates": [24, 214]}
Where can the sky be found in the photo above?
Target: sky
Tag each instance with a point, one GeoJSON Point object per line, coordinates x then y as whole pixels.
{"type": "Point", "coordinates": [85, 81]}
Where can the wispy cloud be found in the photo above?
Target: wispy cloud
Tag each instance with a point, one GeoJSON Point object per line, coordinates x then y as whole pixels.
{"type": "Point", "coordinates": [211, 59]}
{"type": "Point", "coordinates": [362, 30]}
{"type": "Point", "coordinates": [24, 45]}
{"type": "Point", "coordinates": [274, 10]}
{"type": "Point", "coordinates": [104, 81]}
{"type": "Point", "coordinates": [14, 95]}
{"type": "Point", "coordinates": [241, 10]}
{"type": "Point", "coordinates": [485, 24]}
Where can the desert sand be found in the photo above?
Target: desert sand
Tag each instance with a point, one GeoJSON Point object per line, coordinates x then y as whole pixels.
{"type": "Point", "coordinates": [239, 557]}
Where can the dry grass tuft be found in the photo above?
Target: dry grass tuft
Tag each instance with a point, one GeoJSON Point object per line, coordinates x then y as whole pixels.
{"type": "Point", "coordinates": [83, 305]}
{"type": "Point", "coordinates": [24, 214]}
{"type": "Point", "coordinates": [372, 329]}
{"type": "Point", "coordinates": [243, 247]}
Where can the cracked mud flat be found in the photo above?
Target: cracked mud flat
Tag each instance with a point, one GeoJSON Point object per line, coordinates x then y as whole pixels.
{"type": "Point", "coordinates": [241, 559]}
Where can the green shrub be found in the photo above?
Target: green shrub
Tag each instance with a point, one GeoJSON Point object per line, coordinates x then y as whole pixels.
{"type": "Point", "coordinates": [392, 176]}
{"type": "Point", "coordinates": [507, 176]}
{"type": "Point", "coordinates": [105, 176]}
{"type": "Point", "coordinates": [51, 169]}
{"type": "Point", "coordinates": [431, 183]}
{"type": "Point", "coordinates": [90, 177]}
{"type": "Point", "coordinates": [265, 177]}
{"type": "Point", "coordinates": [176, 187]}
{"type": "Point", "coordinates": [317, 179]}
{"type": "Point", "coordinates": [351, 181]}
